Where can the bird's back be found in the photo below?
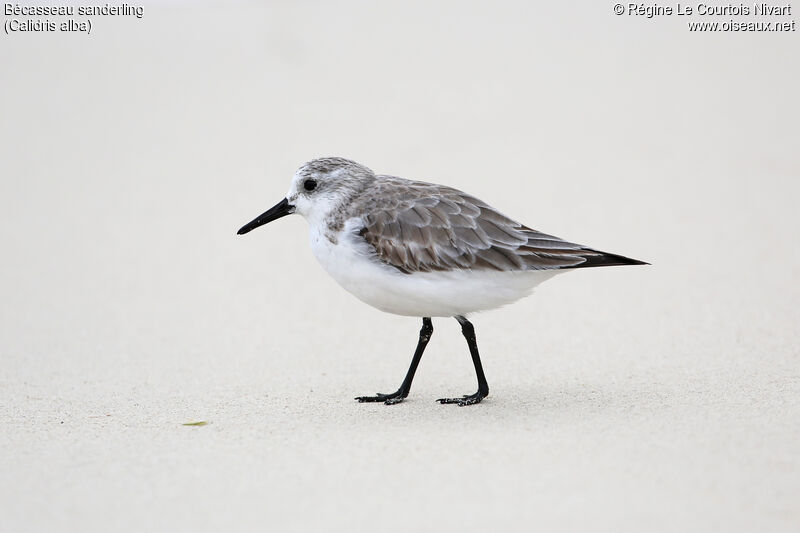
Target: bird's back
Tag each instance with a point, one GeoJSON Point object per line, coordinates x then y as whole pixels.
{"type": "Point", "coordinates": [423, 227]}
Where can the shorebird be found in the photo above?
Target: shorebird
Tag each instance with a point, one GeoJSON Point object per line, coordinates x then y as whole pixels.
{"type": "Point", "coordinates": [424, 250]}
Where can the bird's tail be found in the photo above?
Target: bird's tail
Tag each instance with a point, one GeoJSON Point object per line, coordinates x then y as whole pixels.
{"type": "Point", "coordinates": [596, 258]}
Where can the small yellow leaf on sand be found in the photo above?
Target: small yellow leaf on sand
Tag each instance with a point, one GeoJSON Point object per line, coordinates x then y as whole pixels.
{"type": "Point", "coordinates": [201, 423]}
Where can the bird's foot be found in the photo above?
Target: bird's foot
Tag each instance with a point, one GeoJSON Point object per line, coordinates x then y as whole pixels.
{"type": "Point", "coordinates": [387, 399]}
{"type": "Point", "coordinates": [467, 399]}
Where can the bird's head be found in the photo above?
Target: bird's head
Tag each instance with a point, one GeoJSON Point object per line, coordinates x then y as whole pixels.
{"type": "Point", "coordinates": [318, 188]}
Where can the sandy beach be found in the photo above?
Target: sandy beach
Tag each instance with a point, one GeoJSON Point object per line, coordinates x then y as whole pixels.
{"type": "Point", "coordinates": [659, 398]}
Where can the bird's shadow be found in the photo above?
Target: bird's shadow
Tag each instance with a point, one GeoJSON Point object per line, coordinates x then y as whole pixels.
{"type": "Point", "coordinates": [518, 403]}
{"type": "Point", "coordinates": [578, 400]}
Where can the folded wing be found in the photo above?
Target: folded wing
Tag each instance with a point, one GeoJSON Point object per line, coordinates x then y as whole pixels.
{"type": "Point", "coordinates": [421, 227]}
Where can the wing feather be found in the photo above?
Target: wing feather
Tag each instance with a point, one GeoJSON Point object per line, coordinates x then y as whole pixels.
{"type": "Point", "coordinates": [421, 227]}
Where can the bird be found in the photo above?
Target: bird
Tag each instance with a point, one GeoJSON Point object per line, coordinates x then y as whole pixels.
{"type": "Point", "coordinates": [423, 250]}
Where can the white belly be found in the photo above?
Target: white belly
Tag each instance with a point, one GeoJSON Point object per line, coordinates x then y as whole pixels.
{"type": "Point", "coordinates": [431, 294]}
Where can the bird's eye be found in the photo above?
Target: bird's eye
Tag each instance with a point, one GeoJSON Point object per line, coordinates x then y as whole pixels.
{"type": "Point", "coordinates": [310, 185]}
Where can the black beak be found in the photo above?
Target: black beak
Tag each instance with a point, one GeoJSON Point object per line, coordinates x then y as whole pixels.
{"type": "Point", "coordinates": [281, 209]}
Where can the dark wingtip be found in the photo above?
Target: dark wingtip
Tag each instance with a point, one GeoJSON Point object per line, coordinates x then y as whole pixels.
{"type": "Point", "coordinates": [606, 259]}
{"type": "Point", "coordinates": [629, 261]}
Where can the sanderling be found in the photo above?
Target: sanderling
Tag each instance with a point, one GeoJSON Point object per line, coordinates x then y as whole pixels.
{"type": "Point", "coordinates": [419, 249]}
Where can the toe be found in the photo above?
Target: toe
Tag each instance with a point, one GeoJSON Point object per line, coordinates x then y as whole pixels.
{"type": "Point", "coordinates": [392, 401]}
{"type": "Point", "coordinates": [363, 399]}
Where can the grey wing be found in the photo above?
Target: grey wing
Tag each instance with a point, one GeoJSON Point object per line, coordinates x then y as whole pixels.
{"type": "Point", "coordinates": [421, 227]}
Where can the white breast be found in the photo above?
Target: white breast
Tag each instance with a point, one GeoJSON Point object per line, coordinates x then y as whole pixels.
{"type": "Point", "coordinates": [353, 264]}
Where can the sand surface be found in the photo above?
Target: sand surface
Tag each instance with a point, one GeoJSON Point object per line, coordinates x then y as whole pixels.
{"type": "Point", "coordinates": [662, 398]}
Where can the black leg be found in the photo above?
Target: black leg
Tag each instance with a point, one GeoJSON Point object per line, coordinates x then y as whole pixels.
{"type": "Point", "coordinates": [398, 396]}
{"type": "Point", "coordinates": [483, 386]}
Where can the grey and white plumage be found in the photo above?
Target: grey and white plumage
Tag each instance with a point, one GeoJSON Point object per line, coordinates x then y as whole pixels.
{"type": "Point", "coordinates": [420, 249]}
{"type": "Point", "coordinates": [421, 227]}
